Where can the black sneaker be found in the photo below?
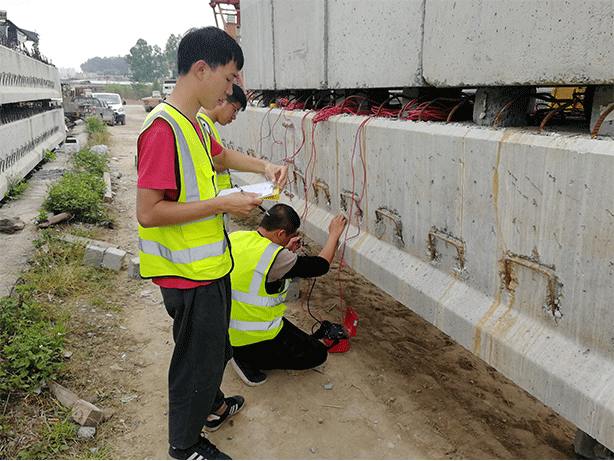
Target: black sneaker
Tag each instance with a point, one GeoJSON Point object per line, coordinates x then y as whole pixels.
{"type": "Point", "coordinates": [233, 406]}
{"type": "Point", "coordinates": [203, 449]}
{"type": "Point", "coordinates": [249, 375]}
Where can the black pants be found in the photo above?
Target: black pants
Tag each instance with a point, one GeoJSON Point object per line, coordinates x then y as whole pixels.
{"type": "Point", "coordinates": [291, 349]}
{"type": "Point", "coordinates": [202, 349]}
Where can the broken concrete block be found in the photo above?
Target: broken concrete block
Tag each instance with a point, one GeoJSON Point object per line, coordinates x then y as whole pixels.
{"type": "Point", "coordinates": [86, 414]}
{"type": "Point", "coordinates": [93, 256]}
{"type": "Point", "coordinates": [71, 145]}
{"type": "Point", "coordinates": [489, 102]}
{"type": "Point", "coordinates": [66, 397]}
{"type": "Point", "coordinates": [100, 149]}
{"type": "Point", "coordinates": [113, 259]}
{"type": "Point", "coordinates": [134, 268]}
{"type": "Point", "coordinates": [108, 195]}
{"type": "Point", "coordinates": [11, 225]}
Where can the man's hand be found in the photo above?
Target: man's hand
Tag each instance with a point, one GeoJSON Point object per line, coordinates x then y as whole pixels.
{"type": "Point", "coordinates": [294, 244]}
{"type": "Point", "coordinates": [240, 203]}
{"type": "Point", "coordinates": [336, 226]}
{"type": "Point", "coordinates": [277, 173]}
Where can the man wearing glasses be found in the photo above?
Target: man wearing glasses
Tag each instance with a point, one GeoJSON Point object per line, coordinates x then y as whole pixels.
{"type": "Point", "coordinates": [223, 114]}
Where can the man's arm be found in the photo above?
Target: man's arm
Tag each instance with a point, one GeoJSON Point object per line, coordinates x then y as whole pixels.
{"type": "Point", "coordinates": [236, 160]}
{"type": "Point", "coordinates": [154, 210]}
{"type": "Point", "coordinates": [335, 229]}
{"type": "Point", "coordinates": [315, 266]}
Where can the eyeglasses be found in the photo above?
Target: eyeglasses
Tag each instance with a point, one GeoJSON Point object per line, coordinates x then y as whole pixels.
{"type": "Point", "coordinates": [236, 109]}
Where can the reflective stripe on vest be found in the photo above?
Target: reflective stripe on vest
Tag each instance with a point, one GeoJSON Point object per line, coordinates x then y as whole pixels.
{"type": "Point", "coordinates": [255, 326]}
{"type": "Point", "coordinates": [197, 250]}
{"type": "Point", "coordinates": [183, 256]}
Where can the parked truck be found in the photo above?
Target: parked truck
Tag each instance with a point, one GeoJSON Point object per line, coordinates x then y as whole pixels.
{"type": "Point", "coordinates": [152, 101]}
{"type": "Point", "coordinates": [167, 84]}
{"type": "Point", "coordinates": [81, 107]}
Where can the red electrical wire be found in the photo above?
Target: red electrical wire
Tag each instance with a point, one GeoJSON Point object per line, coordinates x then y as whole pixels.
{"type": "Point", "coordinates": [416, 109]}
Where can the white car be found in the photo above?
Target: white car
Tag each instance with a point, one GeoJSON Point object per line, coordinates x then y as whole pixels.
{"type": "Point", "coordinates": [116, 103]}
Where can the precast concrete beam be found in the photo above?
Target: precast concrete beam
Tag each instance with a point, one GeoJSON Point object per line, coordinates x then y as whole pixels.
{"type": "Point", "coordinates": [500, 238]}
{"type": "Point", "coordinates": [314, 44]}
{"type": "Point", "coordinates": [25, 79]}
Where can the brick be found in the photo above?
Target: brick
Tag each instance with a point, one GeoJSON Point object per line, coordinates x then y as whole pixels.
{"type": "Point", "coordinates": [134, 268]}
{"type": "Point", "coordinates": [93, 256]}
{"type": "Point", "coordinates": [113, 259]}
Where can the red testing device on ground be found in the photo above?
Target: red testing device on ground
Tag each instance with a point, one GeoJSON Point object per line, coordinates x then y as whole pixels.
{"type": "Point", "coordinates": [350, 324]}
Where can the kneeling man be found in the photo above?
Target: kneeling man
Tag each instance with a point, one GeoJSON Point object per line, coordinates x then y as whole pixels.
{"type": "Point", "coordinates": [261, 337]}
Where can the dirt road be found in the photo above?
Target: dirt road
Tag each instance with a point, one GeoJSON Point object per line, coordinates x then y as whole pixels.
{"type": "Point", "coordinates": [404, 390]}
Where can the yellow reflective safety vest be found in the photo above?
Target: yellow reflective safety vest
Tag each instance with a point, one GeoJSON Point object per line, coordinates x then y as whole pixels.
{"type": "Point", "coordinates": [223, 178]}
{"type": "Point", "coordinates": [198, 250]}
{"type": "Point", "coordinates": [255, 315]}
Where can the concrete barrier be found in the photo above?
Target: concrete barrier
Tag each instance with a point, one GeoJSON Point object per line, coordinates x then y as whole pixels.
{"type": "Point", "coordinates": [500, 238]}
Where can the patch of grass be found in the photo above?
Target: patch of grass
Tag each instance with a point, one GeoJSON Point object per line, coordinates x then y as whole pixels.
{"type": "Point", "coordinates": [44, 316]}
{"type": "Point", "coordinates": [90, 161]}
{"type": "Point", "coordinates": [97, 130]}
{"type": "Point", "coordinates": [57, 436]}
{"type": "Point", "coordinates": [80, 193]}
{"type": "Point", "coordinates": [32, 355]}
{"type": "Point", "coordinates": [53, 441]}
{"type": "Point", "coordinates": [57, 270]}
{"type": "Point", "coordinates": [16, 187]}
{"type": "Point", "coordinates": [49, 156]}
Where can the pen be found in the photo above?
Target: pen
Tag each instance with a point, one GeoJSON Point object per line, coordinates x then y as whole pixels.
{"type": "Point", "coordinates": [260, 207]}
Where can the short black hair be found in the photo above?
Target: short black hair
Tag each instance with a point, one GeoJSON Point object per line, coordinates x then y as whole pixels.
{"type": "Point", "coordinates": [238, 95]}
{"type": "Point", "coordinates": [209, 44]}
{"type": "Point", "coordinates": [281, 216]}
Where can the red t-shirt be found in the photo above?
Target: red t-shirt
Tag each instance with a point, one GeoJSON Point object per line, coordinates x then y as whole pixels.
{"type": "Point", "coordinates": [156, 170]}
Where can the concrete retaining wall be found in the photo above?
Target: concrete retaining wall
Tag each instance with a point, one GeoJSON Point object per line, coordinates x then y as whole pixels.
{"type": "Point", "coordinates": [503, 239]}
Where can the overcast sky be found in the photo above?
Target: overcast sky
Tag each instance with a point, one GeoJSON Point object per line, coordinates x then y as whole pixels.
{"type": "Point", "coordinates": [71, 32]}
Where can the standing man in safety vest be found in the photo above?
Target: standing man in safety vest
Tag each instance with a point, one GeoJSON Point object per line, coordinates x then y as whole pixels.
{"type": "Point", "coordinates": [261, 337]}
{"type": "Point", "coordinates": [183, 246]}
{"type": "Point", "coordinates": [223, 114]}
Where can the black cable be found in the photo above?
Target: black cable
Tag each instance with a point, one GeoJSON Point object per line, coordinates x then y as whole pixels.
{"type": "Point", "coordinates": [318, 321]}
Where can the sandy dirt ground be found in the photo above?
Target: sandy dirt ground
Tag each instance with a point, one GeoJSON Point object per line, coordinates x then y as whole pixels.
{"type": "Point", "coordinates": [404, 390]}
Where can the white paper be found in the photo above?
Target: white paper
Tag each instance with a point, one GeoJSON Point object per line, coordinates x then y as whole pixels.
{"type": "Point", "coordinates": [263, 189]}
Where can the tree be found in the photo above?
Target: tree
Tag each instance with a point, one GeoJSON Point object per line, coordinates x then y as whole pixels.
{"type": "Point", "coordinates": [106, 66]}
{"type": "Point", "coordinates": [160, 68]}
{"type": "Point", "coordinates": [170, 54]}
{"type": "Point", "coordinates": [141, 61]}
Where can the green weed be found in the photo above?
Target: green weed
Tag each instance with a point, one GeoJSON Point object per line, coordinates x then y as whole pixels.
{"type": "Point", "coordinates": [80, 193]}
{"type": "Point", "coordinates": [32, 355]}
{"type": "Point", "coordinates": [89, 161]}
{"type": "Point", "coordinates": [97, 130]}
{"type": "Point", "coordinates": [16, 187]}
{"type": "Point", "coordinates": [54, 439]}
{"type": "Point", "coordinates": [48, 156]}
